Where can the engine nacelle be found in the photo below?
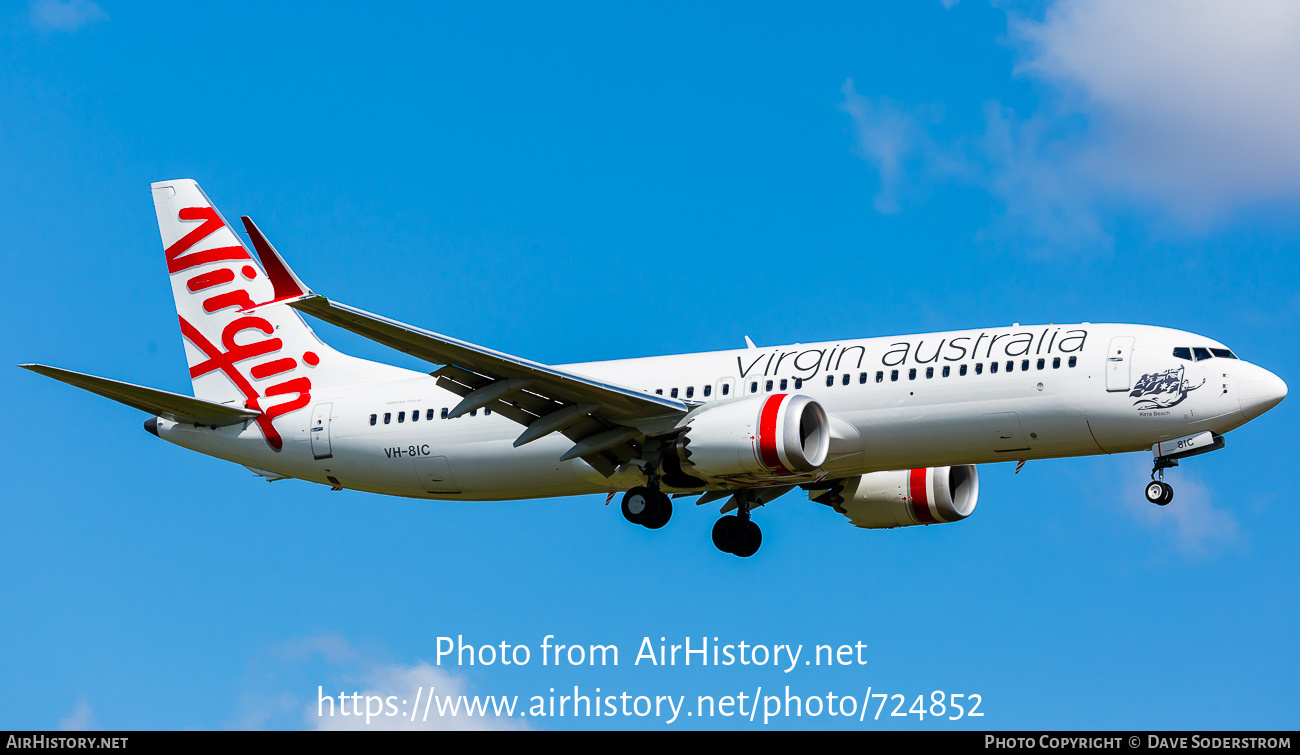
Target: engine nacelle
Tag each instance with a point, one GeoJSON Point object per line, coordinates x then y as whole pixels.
{"type": "Point", "coordinates": [910, 496]}
{"type": "Point", "coordinates": [778, 434]}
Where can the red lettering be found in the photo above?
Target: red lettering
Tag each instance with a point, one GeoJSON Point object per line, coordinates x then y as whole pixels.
{"type": "Point", "coordinates": [237, 298]}
{"type": "Point", "coordinates": [267, 369]}
{"type": "Point", "coordinates": [208, 280]}
{"type": "Point", "coordinates": [211, 222]}
{"type": "Point", "coordinates": [237, 352]}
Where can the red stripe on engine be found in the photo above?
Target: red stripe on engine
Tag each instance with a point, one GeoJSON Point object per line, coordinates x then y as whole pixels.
{"type": "Point", "coordinates": [767, 433]}
{"type": "Point", "coordinates": [920, 499]}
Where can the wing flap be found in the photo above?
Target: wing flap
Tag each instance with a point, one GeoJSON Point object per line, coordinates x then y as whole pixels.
{"type": "Point", "coordinates": [172, 406]}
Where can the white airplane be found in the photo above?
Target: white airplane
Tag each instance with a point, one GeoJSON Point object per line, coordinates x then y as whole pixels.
{"type": "Point", "coordinates": [884, 430]}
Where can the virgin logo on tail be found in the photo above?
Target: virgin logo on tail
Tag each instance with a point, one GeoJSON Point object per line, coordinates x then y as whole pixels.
{"type": "Point", "coordinates": [260, 349]}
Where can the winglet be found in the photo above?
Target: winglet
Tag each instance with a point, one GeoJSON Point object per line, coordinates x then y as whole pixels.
{"type": "Point", "coordinates": [287, 286]}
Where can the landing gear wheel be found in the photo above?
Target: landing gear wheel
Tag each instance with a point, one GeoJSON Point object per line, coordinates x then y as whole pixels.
{"type": "Point", "coordinates": [661, 513]}
{"type": "Point", "coordinates": [1160, 493]}
{"type": "Point", "coordinates": [725, 532]}
{"type": "Point", "coordinates": [638, 504]}
{"type": "Point", "coordinates": [748, 539]}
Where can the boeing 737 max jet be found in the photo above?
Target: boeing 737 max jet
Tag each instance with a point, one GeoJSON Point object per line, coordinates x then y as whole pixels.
{"type": "Point", "coordinates": [884, 430]}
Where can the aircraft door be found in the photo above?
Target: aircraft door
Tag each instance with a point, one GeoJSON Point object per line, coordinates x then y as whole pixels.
{"type": "Point", "coordinates": [724, 388]}
{"type": "Point", "coordinates": [320, 431]}
{"type": "Point", "coordinates": [1119, 358]}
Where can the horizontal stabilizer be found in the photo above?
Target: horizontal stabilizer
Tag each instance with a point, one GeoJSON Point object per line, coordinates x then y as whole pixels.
{"type": "Point", "coordinates": [172, 406]}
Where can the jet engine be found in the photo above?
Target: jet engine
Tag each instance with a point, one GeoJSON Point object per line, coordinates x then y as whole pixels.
{"type": "Point", "coordinates": [905, 497]}
{"type": "Point", "coordinates": [777, 434]}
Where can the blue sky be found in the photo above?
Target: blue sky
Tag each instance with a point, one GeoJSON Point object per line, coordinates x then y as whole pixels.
{"type": "Point", "coordinates": [592, 182]}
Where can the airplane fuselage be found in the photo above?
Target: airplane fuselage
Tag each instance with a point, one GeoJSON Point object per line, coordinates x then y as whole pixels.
{"type": "Point", "coordinates": [898, 402]}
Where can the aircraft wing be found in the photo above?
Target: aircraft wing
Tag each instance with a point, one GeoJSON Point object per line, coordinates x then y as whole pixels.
{"type": "Point", "coordinates": [603, 419]}
{"type": "Point", "coordinates": [172, 406]}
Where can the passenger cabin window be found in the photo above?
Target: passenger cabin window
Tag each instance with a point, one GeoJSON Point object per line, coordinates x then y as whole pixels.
{"type": "Point", "coordinates": [673, 393]}
{"type": "Point", "coordinates": [659, 391]}
{"type": "Point", "coordinates": [893, 375]}
{"type": "Point", "coordinates": [993, 367]}
{"type": "Point", "coordinates": [428, 414]}
{"type": "Point", "coordinates": [946, 370]}
{"type": "Point", "coordinates": [783, 383]}
{"type": "Point", "coordinates": [911, 374]}
{"type": "Point", "coordinates": [830, 380]}
{"type": "Point", "coordinates": [487, 411]}
{"type": "Point", "coordinates": [388, 417]}
{"type": "Point", "coordinates": [444, 412]}
{"type": "Point", "coordinates": [472, 413]}
{"type": "Point", "coordinates": [979, 368]}
{"type": "Point", "coordinates": [1056, 363]}
{"type": "Point", "coordinates": [862, 379]}
{"type": "Point", "coordinates": [962, 370]}
{"type": "Point", "coordinates": [1074, 361]}
{"type": "Point", "coordinates": [401, 417]}
{"type": "Point", "coordinates": [373, 420]}
{"type": "Point", "coordinates": [753, 387]}
{"type": "Point", "coordinates": [415, 416]}
{"type": "Point", "coordinates": [690, 391]}
{"type": "Point", "coordinates": [1011, 366]}
{"type": "Point", "coordinates": [1042, 363]}
{"type": "Point", "coordinates": [768, 386]}
{"type": "Point", "coordinates": [929, 372]}
{"type": "Point", "coordinates": [708, 391]}
{"type": "Point", "coordinates": [1024, 365]}
{"type": "Point", "coordinates": [880, 376]}
{"type": "Point", "coordinates": [726, 388]}
{"type": "Point", "coordinates": [798, 383]}
{"type": "Point", "coordinates": [845, 381]}
{"type": "Point", "coordinates": [1200, 353]}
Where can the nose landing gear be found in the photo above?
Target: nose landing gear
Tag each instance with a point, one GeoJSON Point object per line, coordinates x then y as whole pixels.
{"type": "Point", "coordinates": [1158, 491]}
{"type": "Point", "coordinates": [1167, 453]}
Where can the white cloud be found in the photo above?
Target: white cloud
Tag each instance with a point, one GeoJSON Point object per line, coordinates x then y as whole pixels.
{"type": "Point", "coordinates": [1191, 522]}
{"type": "Point", "coordinates": [1185, 107]}
{"type": "Point", "coordinates": [1194, 103]}
{"type": "Point", "coordinates": [82, 718]}
{"type": "Point", "coordinates": [65, 15]}
{"type": "Point", "coordinates": [299, 682]}
{"type": "Point", "coordinates": [894, 139]}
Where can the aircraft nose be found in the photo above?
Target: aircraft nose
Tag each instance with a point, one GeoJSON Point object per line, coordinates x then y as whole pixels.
{"type": "Point", "coordinates": [1260, 391]}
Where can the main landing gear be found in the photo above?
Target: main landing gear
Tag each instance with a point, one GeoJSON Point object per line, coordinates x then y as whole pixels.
{"type": "Point", "coordinates": [738, 534]}
{"type": "Point", "coordinates": [647, 507]}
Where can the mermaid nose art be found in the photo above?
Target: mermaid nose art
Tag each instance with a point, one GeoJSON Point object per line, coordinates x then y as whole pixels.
{"type": "Point", "coordinates": [1260, 391]}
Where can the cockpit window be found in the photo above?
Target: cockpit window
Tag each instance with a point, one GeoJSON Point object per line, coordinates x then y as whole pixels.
{"type": "Point", "coordinates": [1182, 352]}
{"type": "Point", "coordinates": [1223, 353]}
{"type": "Point", "coordinates": [1201, 353]}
